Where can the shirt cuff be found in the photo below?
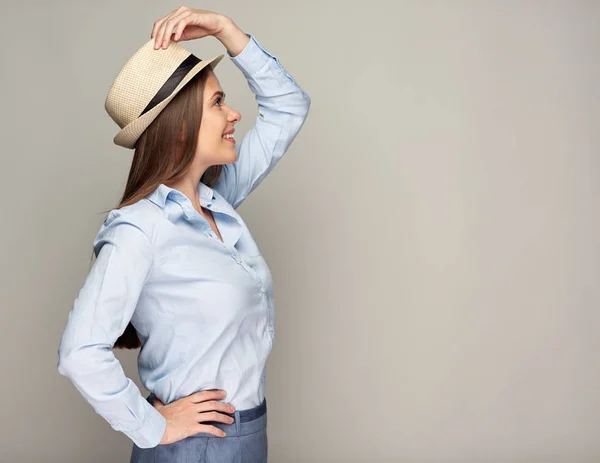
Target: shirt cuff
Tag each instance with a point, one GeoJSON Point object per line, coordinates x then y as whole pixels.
{"type": "Point", "coordinates": [150, 434]}
{"type": "Point", "coordinates": [252, 58]}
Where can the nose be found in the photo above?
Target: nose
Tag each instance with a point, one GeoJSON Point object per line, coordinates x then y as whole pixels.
{"type": "Point", "coordinates": [234, 116]}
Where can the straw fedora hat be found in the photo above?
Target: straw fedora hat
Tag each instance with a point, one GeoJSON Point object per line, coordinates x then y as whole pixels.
{"type": "Point", "coordinates": [149, 80]}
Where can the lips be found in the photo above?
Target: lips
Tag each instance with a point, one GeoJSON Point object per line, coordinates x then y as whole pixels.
{"type": "Point", "coordinates": [229, 132]}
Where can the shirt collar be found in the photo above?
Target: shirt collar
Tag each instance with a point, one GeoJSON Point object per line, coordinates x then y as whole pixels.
{"type": "Point", "coordinates": [160, 195]}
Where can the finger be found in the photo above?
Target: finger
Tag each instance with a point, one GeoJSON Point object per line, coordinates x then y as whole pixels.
{"type": "Point", "coordinates": [157, 33]}
{"type": "Point", "coordinates": [207, 428]}
{"type": "Point", "coordinates": [207, 394]}
{"type": "Point", "coordinates": [214, 416]}
{"type": "Point", "coordinates": [156, 27]}
{"type": "Point", "coordinates": [215, 405]}
{"type": "Point", "coordinates": [159, 28]}
{"type": "Point", "coordinates": [157, 402]}
{"type": "Point", "coordinates": [169, 24]}
{"type": "Point", "coordinates": [180, 27]}
{"type": "Point", "coordinates": [165, 34]}
{"type": "Point", "coordinates": [180, 21]}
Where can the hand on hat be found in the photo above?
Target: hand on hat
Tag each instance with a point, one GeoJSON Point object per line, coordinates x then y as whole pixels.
{"type": "Point", "coordinates": [189, 24]}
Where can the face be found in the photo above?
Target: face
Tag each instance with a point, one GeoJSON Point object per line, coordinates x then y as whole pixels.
{"type": "Point", "coordinates": [217, 118]}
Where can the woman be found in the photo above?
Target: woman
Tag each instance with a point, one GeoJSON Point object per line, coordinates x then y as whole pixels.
{"type": "Point", "coordinates": [177, 272]}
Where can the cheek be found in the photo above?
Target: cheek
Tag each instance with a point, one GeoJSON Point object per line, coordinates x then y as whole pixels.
{"type": "Point", "coordinates": [209, 133]}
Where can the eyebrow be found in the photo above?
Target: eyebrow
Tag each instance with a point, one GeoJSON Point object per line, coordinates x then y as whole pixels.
{"type": "Point", "coordinates": [218, 92]}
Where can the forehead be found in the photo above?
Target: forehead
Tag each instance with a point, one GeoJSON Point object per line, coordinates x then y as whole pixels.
{"type": "Point", "coordinates": [212, 84]}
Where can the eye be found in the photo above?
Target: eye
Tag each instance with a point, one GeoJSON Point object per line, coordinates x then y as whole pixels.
{"type": "Point", "coordinates": [218, 100]}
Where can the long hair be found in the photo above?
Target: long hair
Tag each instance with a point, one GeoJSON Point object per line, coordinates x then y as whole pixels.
{"type": "Point", "coordinates": [163, 153]}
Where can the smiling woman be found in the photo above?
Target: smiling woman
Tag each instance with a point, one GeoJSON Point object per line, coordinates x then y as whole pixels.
{"type": "Point", "coordinates": [217, 118]}
{"type": "Point", "coordinates": [164, 152]}
{"type": "Point", "coordinates": [177, 271]}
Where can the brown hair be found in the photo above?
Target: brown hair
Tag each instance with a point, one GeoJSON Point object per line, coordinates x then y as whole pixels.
{"type": "Point", "coordinates": [163, 153]}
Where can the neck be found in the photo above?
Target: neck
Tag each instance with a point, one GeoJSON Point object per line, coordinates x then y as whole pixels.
{"type": "Point", "coordinates": [189, 187]}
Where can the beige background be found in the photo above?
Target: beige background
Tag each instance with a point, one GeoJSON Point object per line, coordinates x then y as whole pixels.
{"type": "Point", "coordinates": [433, 232]}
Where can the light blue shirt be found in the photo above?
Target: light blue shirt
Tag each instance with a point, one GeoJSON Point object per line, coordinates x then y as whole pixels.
{"type": "Point", "coordinates": [203, 309]}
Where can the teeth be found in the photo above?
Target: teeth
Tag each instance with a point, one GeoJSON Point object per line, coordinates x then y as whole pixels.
{"type": "Point", "coordinates": [228, 136]}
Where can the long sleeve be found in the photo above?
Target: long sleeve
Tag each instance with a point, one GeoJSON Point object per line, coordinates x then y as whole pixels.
{"type": "Point", "coordinates": [99, 315]}
{"type": "Point", "coordinates": [282, 106]}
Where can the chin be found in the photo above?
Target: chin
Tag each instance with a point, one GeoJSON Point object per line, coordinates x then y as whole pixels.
{"type": "Point", "coordinates": [234, 156]}
{"type": "Point", "coordinates": [229, 159]}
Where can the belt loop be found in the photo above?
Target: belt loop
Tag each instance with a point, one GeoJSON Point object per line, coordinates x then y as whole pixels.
{"type": "Point", "coordinates": [238, 425]}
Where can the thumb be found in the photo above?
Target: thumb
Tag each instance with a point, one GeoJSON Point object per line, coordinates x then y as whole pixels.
{"type": "Point", "coordinates": [157, 403]}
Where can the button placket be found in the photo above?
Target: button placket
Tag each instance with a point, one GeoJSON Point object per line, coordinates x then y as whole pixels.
{"type": "Point", "coordinates": [270, 314]}
{"type": "Point", "coordinates": [263, 293]}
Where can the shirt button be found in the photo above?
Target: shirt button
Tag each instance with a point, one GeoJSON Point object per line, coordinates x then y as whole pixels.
{"type": "Point", "coordinates": [271, 329]}
{"type": "Point", "coordinates": [238, 259]}
{"type": "Point", "coordinates": [262, 289]}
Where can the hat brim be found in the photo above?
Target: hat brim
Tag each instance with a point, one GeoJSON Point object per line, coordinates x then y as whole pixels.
{"type": "Point", "coordinates": [128, 135]}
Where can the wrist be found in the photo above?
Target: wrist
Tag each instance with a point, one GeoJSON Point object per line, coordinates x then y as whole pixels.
{"type": "Point", "coordinates": [232, 37]}
{"type": "Point", "coordinates": [226, 23]}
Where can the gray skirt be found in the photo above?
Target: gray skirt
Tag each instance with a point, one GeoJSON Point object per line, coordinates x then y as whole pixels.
{"type": "Point", "coordinates": [245, 442]}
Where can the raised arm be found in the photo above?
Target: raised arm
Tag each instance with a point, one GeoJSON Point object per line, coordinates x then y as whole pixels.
{"type": "Point", "coordinates": [100, 314]}
{"type": "Point", "coordinates": [282, 109]}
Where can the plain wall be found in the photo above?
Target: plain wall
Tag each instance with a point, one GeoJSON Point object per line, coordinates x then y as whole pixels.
{"type": "Point", "coordinates": [433, 232]}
